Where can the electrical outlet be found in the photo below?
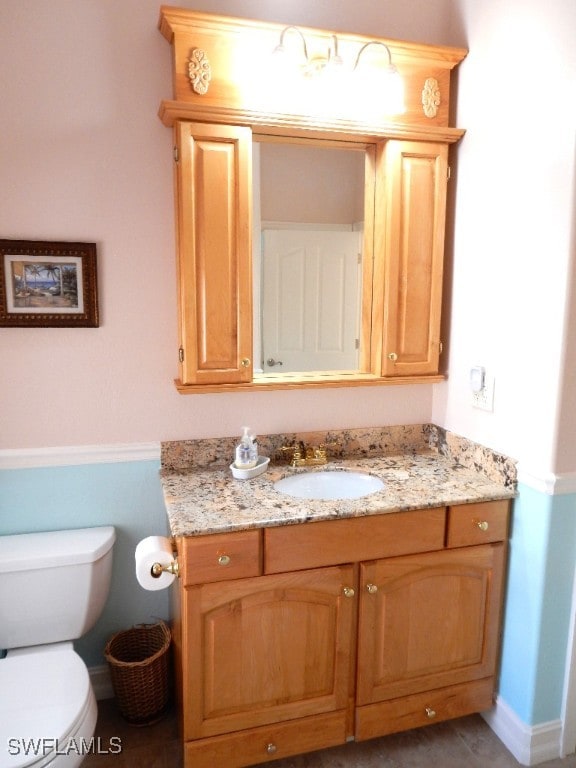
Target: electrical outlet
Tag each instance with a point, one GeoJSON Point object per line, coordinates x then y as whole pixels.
{"type": "Point", "coordinates": [484, 398]}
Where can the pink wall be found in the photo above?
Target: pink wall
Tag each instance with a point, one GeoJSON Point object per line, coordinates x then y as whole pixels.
{"type": "Point", "coordinates": [85, 157]}
{"type": "Point", "coordinates": [515, 234]}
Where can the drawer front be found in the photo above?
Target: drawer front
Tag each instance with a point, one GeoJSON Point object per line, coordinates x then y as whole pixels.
{"type": "Point", "coordinates": [220, 557]}
{"type": "Point", "coordinates": [332, 542]}
{"type": "Point", "coordinates": [470, 524]}
{"type": "Point", "coordinates": [258, 745]}
{"type": "Point", "coordinates": [420, 709]}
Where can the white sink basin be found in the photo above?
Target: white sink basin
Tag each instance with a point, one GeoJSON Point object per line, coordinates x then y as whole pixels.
{"type": "Point", "coordinates": [329, 485]}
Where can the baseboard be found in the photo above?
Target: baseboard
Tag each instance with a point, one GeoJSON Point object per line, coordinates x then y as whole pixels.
{"type": "Point", "coordinates": [101, 682]}
{"type": "Point", "coordinates": [530, 744]}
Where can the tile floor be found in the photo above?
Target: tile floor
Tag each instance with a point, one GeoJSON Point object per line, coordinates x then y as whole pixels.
{"type": "Point", "coordinates": [464, 743]}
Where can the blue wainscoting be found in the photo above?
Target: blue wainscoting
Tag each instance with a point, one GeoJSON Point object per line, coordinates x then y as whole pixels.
{"type": "Point", "coordinates": [125, 494]}
{"type": "Point", "coordinates": [538, 604]}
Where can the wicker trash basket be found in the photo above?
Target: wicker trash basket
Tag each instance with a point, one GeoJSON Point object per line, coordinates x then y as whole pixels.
{"type": "Point", "coordinates": [138, 659]}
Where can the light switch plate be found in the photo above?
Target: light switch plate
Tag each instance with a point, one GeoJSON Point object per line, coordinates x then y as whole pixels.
{"type": "Point", "coordinates": [484, 398]}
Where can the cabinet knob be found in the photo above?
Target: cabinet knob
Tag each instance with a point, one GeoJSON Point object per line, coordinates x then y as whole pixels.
{"type": "Point", "coordinates": [271, 748]}
{"type": "Point", "coordinates": [348, 592]}
{"type": "Point", "coordinates": [371, 588]}
{"type": "Point", "coordinates": [431, 713]}
{"type": "Point", "coordinates": [393, 356]}
{"type": "Point", "coordinates": [245, 362]}
{"type": "Point", "coordinates": [224, 560]}
{"type": "Point", "coordinates": [482, 524]}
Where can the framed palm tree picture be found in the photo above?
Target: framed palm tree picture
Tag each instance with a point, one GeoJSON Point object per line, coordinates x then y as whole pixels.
{"type": "Point", "coordinates": [46, 284]}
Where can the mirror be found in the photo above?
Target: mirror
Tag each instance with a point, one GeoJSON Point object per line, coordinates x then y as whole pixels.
{"type": "Point", "coordinates": [308, 239]}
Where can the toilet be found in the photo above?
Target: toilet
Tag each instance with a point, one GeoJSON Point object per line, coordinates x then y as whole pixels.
{"type": "Point", "coordinates": [53, 587]}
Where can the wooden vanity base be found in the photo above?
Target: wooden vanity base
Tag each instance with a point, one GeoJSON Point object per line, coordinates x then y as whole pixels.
{"type": "Point", "coordinates": [295, 638]}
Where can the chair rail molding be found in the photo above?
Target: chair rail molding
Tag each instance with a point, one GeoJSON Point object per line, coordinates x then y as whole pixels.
{"type": "Point", "coordinates": [547, 482]}
{"type": "Point", "coordinates": [69, 455]}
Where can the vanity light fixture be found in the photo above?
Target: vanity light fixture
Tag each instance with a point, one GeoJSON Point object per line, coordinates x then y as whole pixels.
{"type": "Point", "coordinates": [390, 68]}
{"type": "Point", "coordinates": [380, 83]}
{"type": "Point", "coordinates": [383, 80]}
{"type": "Point", "coordinates": [311, 65]}
{"type": "Point", "coordinates": [280, 49]}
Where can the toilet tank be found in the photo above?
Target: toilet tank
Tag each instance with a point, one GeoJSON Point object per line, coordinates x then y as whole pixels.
{"type": "Point", "coordinates": [53, 585]}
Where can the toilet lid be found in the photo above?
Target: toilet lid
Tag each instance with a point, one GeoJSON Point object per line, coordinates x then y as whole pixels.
{"type": "Point", "coordinates": [43, 695]}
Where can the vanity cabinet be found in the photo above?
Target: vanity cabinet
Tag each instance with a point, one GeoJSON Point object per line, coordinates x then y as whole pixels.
{"type": "Point", "coordinates": [213, 184]}
{"type": "Point", "coordinates": [300, 637]}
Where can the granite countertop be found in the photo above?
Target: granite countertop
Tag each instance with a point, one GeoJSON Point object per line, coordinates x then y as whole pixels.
{"type": "Point", "coordinates": [202, 500]}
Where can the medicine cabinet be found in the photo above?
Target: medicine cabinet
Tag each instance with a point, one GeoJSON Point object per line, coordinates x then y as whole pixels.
{"type": "Point", "coordinates": [230, 106]}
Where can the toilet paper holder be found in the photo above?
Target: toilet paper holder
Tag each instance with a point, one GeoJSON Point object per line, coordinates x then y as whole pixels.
{"type": "Point", "coordinates": [157, 569]}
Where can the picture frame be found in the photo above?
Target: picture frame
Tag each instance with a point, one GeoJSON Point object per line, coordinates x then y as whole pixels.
{"type": "Point", "coordinates": [48, 284]}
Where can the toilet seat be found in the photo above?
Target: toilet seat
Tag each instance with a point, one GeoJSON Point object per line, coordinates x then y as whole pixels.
{"type": "Point", "coordinates": [45, 693]}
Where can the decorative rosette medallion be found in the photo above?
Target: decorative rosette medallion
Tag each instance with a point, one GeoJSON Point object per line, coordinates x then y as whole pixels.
{"type": "Point", "coordinates": [431, 97]}
{"type": "Point", "coordinates": [199, 71]}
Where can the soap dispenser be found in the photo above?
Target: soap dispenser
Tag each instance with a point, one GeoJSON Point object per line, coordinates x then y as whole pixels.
{"type": "Point", "coordinates": [246, 455]}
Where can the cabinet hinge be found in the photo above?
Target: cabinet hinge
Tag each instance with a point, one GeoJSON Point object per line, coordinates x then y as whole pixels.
{"type": "Point", "coordinates": [356, 343]}
{"type": "Point", "coordinates": [176, 154]}
{"type": "Point", "coordinates": [440, 347]}
{"type": "Point", "coordinates": [448, 173]}
{"type": "Point", "coordinates": [181, 354]}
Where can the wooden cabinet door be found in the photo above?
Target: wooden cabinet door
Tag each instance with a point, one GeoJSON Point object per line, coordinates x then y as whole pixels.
{"type": "Point", "coordinates": [409, 223]}
{"type": "Point", "coordinates": [266, 649]}
{"type": "Point", "coordinates": [428, 621]}
{"type": "Point", "coordinates": [213, 188]}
